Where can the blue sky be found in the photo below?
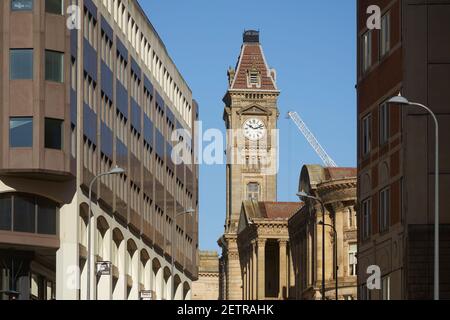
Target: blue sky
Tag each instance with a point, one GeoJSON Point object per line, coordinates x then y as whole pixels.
{"type": "Point", "coordinates": [311, 44]}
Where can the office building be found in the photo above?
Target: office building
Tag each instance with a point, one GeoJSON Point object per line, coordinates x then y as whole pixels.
{"type": "Point", "coordinates": [76, 103]}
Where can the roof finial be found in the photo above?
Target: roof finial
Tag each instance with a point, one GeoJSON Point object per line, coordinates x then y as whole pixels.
{"type": "Point", "coordinates": [251, 36]}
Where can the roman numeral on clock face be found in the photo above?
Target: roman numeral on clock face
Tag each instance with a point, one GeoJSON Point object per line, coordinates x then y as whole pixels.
{"type": "Point", "coordinates": [254, 129]}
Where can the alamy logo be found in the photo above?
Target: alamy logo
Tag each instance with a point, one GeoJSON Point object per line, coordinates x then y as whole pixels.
{"type": "Point", "coordinates": [261, 154]}
{"type": "Point", "coordinates": [374, 20]}
{"type": "Point", "coordinates": [73, 21]}
{"type": "Point", "coordinates": [374, 279]}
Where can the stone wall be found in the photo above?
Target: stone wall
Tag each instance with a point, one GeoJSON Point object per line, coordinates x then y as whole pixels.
{"type": "Point", "coordinates": [207, 285]}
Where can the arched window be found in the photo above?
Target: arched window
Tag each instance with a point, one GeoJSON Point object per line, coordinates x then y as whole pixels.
{"type": "Point", "coordinates": [253, 191]}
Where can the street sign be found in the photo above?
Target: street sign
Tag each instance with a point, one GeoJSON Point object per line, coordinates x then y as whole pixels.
{"type": "Point", "coordinates": [146, 295]}
{"type": "Point", "coordinates": [103, 268]}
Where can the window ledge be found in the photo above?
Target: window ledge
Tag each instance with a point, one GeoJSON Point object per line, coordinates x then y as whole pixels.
{"type": "Point", "coordinates": [29, 239]}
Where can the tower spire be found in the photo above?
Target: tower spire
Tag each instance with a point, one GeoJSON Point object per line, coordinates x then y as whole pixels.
{"type": "Point", "coordinates": [252, 70]}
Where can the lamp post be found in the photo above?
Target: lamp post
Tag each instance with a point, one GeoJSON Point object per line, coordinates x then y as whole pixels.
{"type": "Point", "coordinates": [402, 101]}
{"type": "Point", "coordinates": [174, 222]}
{"type": "Point", "coordinates": [335, 254]}
{"type": "Point", "coordinates": [303, 196]}
{"type": "Point", "coordinates": [114, 171]}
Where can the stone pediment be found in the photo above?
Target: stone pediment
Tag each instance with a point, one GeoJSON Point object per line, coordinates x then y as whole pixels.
{"type": "Point", "coordinates": [255, 110]}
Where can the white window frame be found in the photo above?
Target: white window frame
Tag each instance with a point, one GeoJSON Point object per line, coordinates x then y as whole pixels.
{"type": "Point", "coordinates": [251, 194]}
{"type": "Point", "coordinates": [366, 50]}
{"type": "Point", "coordinates": [352, 259]}
{"type": "Point", "coordinates": [386, 288]}
{"type": "Point", "coordinates": [365, 293]}
{"type": "Point", "coordinates": [384, 209]}
{"type": "Point", "coordinates": [366, 134]}
{"type": "Point", "coordinates": [384, 123]}
{"type": "Point", "coordinates": [385, 34]}
{"type": "Point", "coordinates": [366, 218]}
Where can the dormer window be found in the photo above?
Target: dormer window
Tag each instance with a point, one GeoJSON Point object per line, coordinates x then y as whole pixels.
{"type": "Point", "coordinates": [254, 79]}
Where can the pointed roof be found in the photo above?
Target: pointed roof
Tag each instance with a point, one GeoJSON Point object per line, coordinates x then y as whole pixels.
{"type": "Point", "coordinates": [252, 59]}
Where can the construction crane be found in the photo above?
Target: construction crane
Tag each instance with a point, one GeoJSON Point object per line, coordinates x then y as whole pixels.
{"type": "Point", "coordinates": [312, 139]}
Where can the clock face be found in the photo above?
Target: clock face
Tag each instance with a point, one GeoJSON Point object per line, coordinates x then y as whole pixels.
{"type": "Point", "coordinates": [254, 129]}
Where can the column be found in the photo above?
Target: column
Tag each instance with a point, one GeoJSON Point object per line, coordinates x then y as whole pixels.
{"type": "Point", "coordinates": [291, 281]}
{"type": "Point", "coordinates": [247, 274]}
{"type": "Point", "coordinates": [254, 295]}
{"type": "Point", "coordinates": [67, 265]}
{"type": "Point", "coordinates": [261, 277]}
{"type": "Point", "coordinates": [93, 278]}
{"type": "Point", "coordinates": [104, 290]}
{"type": "Point", "coordinates": [283, 269]}
{"type": "Point", "coordinates": [249, 271]}
{"type": "Point", "coordinates": [120, 292]}
{"type": "Point", "coordinates": [244, 276]}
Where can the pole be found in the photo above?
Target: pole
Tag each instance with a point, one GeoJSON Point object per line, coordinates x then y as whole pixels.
{"type": "Point", "coordinates": [88, 289]}
{"type": "Point", "coordinates": [89, 251]}
{"type": "Point", "coordinates": [335, 254]}
{"type": "Point", "coordinates": [173, 257]}
{"type": "Point", "coordinates": [337, 264]}
{"type": "Point", "coordinates": [323, 251]}
{"type": "Point", "coordinates": [336, 267]}
{"type": "Point", "coordinates": [436, 201]}
{"type": "Point", "coordinates": [436, 217]}
{"type": "Point", "coordinates": [304, 195]}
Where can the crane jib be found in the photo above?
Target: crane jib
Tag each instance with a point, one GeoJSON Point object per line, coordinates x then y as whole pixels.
{"type": "Point", "coordinates": [312, 140]}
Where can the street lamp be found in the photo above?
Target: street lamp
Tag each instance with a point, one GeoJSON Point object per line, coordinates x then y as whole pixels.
{"type": "Point", "coordinates": [174, 222]}
{"type": "Point", "coordinates": [114, 171]}
{"type": "Point", "coordinates": [303, 196]}
{"type": "Point", "coordinates": [335, 254]}
{"type": "Point", "coordinates": [402, 101]}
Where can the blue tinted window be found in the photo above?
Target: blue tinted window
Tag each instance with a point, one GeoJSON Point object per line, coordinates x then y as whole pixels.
{"type": "Point", "coordinates": [21, 5]}
{"type": "Point", "coordinates": [21, 64]}
{"type": "Point", "coordinates": [21, 132]}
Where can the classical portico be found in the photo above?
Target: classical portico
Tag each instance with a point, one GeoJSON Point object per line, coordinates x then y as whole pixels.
{"type": "Point", "coordinates": [263, 244]}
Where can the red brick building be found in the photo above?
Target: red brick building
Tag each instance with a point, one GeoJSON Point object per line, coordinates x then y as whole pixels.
{"type": "Point", "coordinates": [411, 55]}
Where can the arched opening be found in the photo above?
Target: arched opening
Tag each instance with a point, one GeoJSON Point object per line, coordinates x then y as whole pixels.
{"type": "Point", "coordinates": [102, 244]}
{"type": "Point", "coordinates": [102, 251]}
{"type": "Point", "coordinates": [167, 284]}
{"type": "Point", "coordinates": [116, 258]}
{"type": "Point", "coordinates": [118, 263]}
{"type": "Point", "coordinates": [83, 224]}
{"type": "Point", "coordinates": [178, 288]}
{"type": "Point", "coordinates": [187, 291]}
{"type": "Point", "coordinates": [132, 270]}
{"type": "Point", "coordinates": [158, 280]}
{"type": "Point", "coordinates": [145, 271]}
{"type": "Point", "coordinates": [83, 218]}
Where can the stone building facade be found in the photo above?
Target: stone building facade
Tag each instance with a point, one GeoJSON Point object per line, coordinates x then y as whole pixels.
{"type": "Point", "coordinates": [336, 188]}
{"type": "Point", "coordinates": [269, 248]}
{"type": "Point", "coordinates": [207, 285]}
{"type": "Point", "coordinates": [264, 250]}
{"type": "Point", "coordinates": [250, 116]}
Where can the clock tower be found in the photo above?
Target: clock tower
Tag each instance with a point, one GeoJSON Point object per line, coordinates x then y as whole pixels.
{"type": "Point", "coordinates": [250, 117]}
